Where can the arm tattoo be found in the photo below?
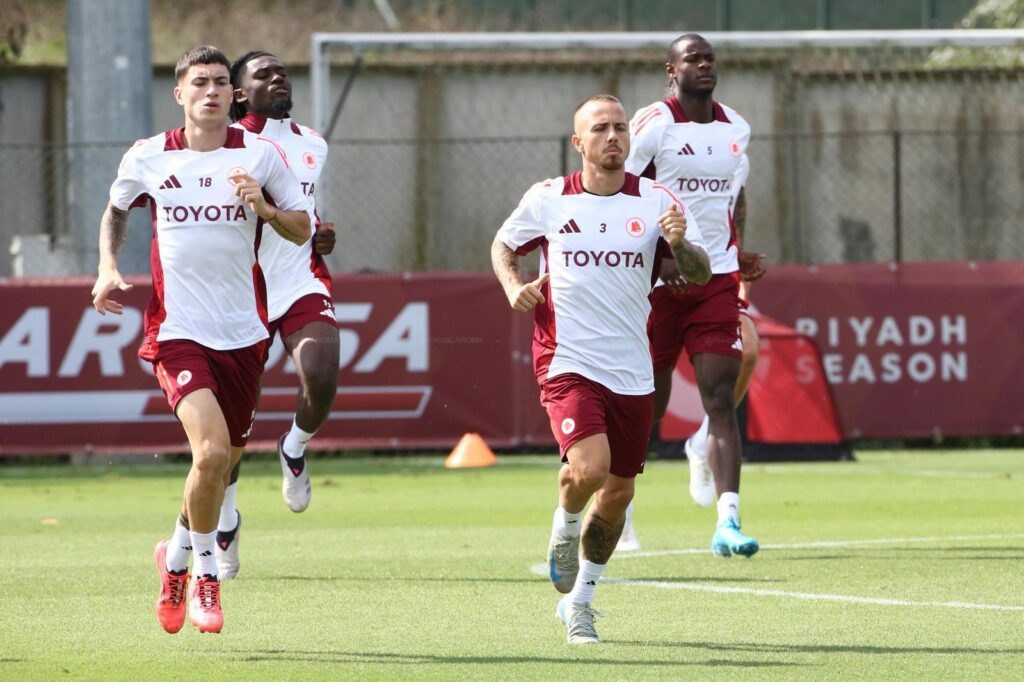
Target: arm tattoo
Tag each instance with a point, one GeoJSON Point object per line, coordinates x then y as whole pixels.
{"type": "Point", "coordinates": [506, 265]}
{"type": "Point", "coordinates": [599, 538]}
{"type": "Point", "coordinates": [692, 262]}
{"type": "Point", "coordinates": [113, 233]}
{"type": "Point", "coordinates": [739, 216]}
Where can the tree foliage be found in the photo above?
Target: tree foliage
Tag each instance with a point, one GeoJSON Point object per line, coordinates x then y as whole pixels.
{"type": "Point", "coordinates": [13, 30]}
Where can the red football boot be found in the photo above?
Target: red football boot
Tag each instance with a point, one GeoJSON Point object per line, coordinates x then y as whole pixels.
{"type": "Point", "coordinates": [170, 606]}
{"type": "Point", "coordinates": [204, 606]}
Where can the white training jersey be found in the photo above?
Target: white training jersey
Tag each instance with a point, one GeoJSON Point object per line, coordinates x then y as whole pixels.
{"type": "Point", "coordinates": [292, 271]}
{"type": "Point", "coordinates": [705, 164]}
{"type": "Point", "coordinates": [602, 254]}
{"type": "Point", "coordinates": [207, 283]}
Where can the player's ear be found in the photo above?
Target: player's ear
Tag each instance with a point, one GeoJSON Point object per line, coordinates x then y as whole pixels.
{"type": "Point", "coordinates": [577, 142]}
{"type": "Point", "coordinates": [239, 95]}
{"type": "Point", "coordinates": [177, 94]}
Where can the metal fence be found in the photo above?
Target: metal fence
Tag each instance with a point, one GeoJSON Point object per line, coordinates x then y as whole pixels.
{"type": "Point", "coordinates": [825, 198]}
{"type": "Point", "coordinates": [892, 147]}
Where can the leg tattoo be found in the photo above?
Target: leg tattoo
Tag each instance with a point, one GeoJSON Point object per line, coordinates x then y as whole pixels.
{"type": "Point", "coordinates": [600, 538]}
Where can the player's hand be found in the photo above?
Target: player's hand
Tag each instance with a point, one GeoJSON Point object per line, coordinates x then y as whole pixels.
{"type": "Point", "coordinates": [108, 280]}
{"type": "Point", "coordinates": [528, 295]}
{"type": "Point", "coordinates": [751, 266]}
{"type": "Point", "coordinates": [324, 238]}
{"type": "Point", "coordinates": [670, 275]}
{"type": "Point", "coordinates": [673, 225]}
{"type": "Point", "coordinates": [250, 191]}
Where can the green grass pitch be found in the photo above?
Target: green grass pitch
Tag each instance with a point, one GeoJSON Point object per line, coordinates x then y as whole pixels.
{"type": "Point", "coordinates": [900, 565]}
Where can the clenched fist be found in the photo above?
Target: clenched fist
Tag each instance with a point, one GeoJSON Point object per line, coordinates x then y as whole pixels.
{"type": "Point", "coordinates": [673, 226]}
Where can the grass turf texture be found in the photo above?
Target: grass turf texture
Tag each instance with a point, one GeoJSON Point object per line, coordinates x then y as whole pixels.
{"type": "Point", "coordinates": [401, 569]}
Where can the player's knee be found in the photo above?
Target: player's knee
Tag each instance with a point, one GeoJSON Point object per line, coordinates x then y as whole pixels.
{"type": "Point", "coordinates": [589, 475]}
{"type": "Point", "coordinates": [212, 459]}
{"type": "Point", "coordinates": [321, 388]}
{"type": "Point", "coordinates": [718, 402]}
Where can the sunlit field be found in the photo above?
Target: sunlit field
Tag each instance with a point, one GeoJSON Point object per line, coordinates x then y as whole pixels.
{"type": "Point", "coordinates": [901, 564]}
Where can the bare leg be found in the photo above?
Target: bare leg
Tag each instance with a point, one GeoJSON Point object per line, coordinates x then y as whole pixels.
{"type": "Point", "coordinates": [662, 391]}
{"type": "Point", "coordinates": [604, 522]}
{"type": "Point", "coordinates": [210, 443]}
{"type": "Point", "coordinates": [716, 378]}
{"type": "Point", "coordinates": [315, 350]}
{"type": "Point", "coordinates": [585, 473]}
{"type": "Point", "coordinates": [751, 345]}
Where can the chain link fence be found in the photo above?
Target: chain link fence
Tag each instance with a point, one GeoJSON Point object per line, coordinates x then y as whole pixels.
{"type": "Point", "coordinates": [881, 155]}
{"type": "Point", "coordinates": [826, 198]}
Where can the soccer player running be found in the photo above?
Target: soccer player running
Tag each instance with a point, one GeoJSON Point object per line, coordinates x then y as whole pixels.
{"type": "Point", "coordinates": [210, 189]}
{"type": "Point", "coordinates": [697, 147]}
{"type": "Point", "coordinates": [300, 306]}
{"type": "Point", "coordinates": [603, 233]}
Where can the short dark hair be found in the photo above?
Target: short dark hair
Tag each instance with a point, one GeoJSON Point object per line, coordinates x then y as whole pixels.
{"type": "Point", "coordinates": [203, 54]}
{"type": "Point", "coordinates": [674, 50]}
{"type": "Point", "coordinates": [238, 109]}
{"type": "Point", "coordinates": [595, 98]}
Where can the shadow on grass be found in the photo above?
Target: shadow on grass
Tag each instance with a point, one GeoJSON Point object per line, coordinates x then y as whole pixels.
{"type": "Point", "coordinates": [489, 579]}
{"type": "Point", "coordinates": [379, 579]}
{"type": "Point", "coordinates": [270, 655]}
{"type": "Point", "coordinates": [823, 648]}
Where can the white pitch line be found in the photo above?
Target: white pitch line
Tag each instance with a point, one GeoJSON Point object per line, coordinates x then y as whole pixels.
{"type": "Point", "coordinates": [824, 544]}
{"type": "Point", "coordinates": [874, 470]}
{"type": "Point", "coordinates": [850, 599]}
{"type": "Point", "coordinates": [542, 569]}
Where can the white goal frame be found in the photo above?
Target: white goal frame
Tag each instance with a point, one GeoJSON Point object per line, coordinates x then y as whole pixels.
{"type": "Point", "coordinates": [323, 44]}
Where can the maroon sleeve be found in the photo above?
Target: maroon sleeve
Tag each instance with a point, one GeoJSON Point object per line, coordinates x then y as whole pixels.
{"type": "Point", "coordinates": [139, 201]}
{"type": "Point", "coordinates": [530, 246]}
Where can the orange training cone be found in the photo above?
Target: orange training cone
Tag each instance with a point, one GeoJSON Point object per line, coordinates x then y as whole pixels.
{"type": "Point", "coordinates": [471, 451]}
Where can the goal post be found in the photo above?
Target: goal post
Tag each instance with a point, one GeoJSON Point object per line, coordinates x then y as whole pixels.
{"type": "Point", "coordinates": [324, 44]}
{"type": "Point", "coordinates": [866, 145]}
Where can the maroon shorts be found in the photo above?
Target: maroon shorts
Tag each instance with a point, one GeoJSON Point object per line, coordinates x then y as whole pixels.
{"type": "Point", "coordinates": [579, 407]}
{"type": "Point", "coordinates": [703, 319]}
{"type": "Point", "coordinates": [310, 308]}
{"type": "Point", "coordinates": [183, 366]}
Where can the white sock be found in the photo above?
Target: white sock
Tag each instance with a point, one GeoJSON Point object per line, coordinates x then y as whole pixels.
{"type": "Point", "coordinates": [202, 548]}
{"type": "Point", "coordinates": [566, 523]}
{"type": "Point", "coordinates": [729, 505]}
{"type": "Point", "coordinates": [629, 515]}
{"type": "Point", "coordinates": [228, 513]}
{"type": "Point", "coordinates": [295, 441]}
{"type": "Point", "coordinates": [699, 440]}
{"type": "Point", "coordinates": [586, 582]}
{"type": "Point", "coordinates": [179, 549]}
